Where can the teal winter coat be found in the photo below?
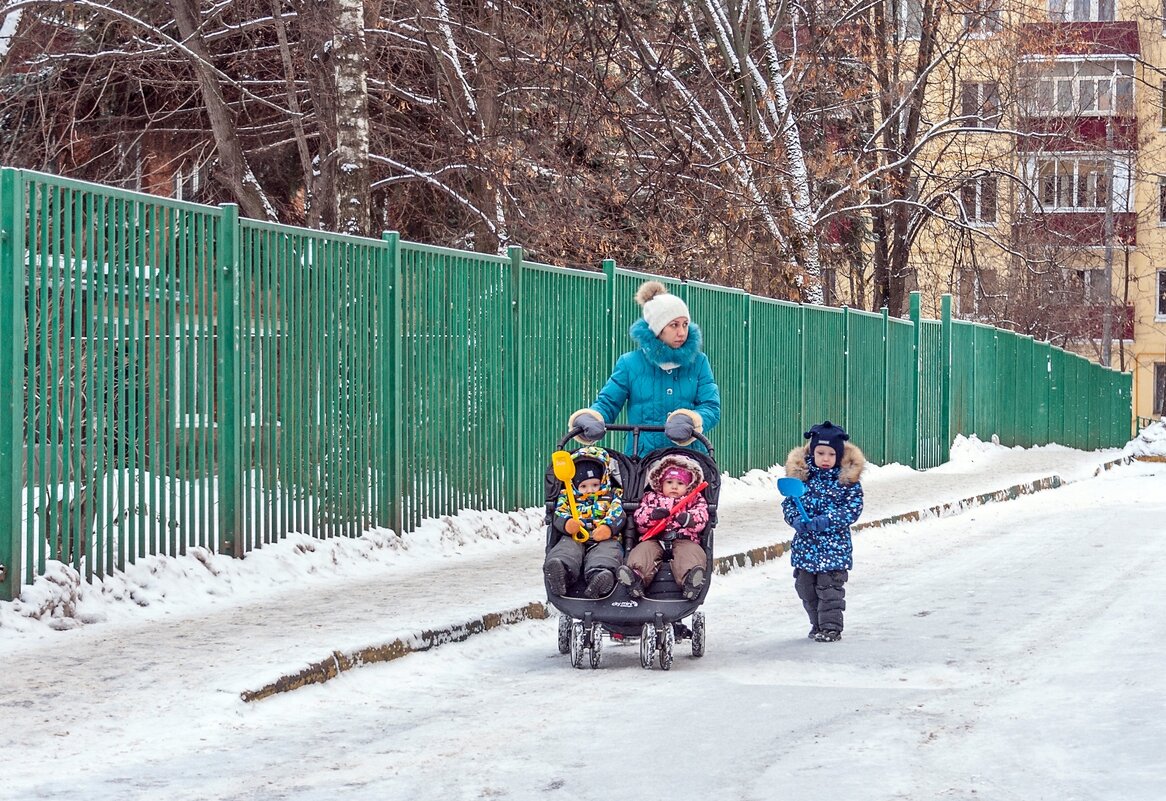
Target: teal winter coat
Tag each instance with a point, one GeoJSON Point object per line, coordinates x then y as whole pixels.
{"type": "Point", "coordinates": [655, 380]}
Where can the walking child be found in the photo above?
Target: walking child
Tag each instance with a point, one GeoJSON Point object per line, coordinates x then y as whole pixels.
{"type": "Point", "coordinates": [822, 553]}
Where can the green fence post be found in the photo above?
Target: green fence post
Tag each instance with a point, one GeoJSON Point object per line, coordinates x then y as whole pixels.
{"type": "Point", "coordinates": [886, 385]}
{"type": "Point", "coordinates": [228, 388]}
{"type": "Point", "coordinates": [945, 373]}
{"type": "Point", "coordinates": [802, 368]}
{"type": "Point", "coordinates": [609, 275]}
{"type": "Point", "coordinates": [12, 379]}
{"type": "Point", "coordinates": [389, 512]}
{"type": "Point", "coordinates": [917, 347]}
{"type": "Point", "coordinates": [514, 401]}
{"type": "Point", "coordinates": [747, 347]}
{"type": "Point", "coordinates": [846, 367]}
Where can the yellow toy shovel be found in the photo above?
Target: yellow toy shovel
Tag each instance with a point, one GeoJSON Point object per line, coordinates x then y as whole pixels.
{"type": "Point", "coordinates": [564, 467]}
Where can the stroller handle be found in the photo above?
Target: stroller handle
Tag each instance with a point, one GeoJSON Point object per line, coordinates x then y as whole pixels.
{"type": "Point", "coordinates": [635, 430]}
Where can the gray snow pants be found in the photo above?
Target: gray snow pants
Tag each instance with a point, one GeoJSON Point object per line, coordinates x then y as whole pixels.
{"type": "Point", "coordinates": [583, 559]}
{"type": "Point", "coordinates": [823, 597]}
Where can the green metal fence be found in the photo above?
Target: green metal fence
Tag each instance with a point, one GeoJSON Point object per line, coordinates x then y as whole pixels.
{"type": "Point", "coordinates": [175, 377]}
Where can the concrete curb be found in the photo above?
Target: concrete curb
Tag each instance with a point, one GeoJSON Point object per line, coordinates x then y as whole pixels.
{"type": "Point", "coordinates": [339, 661]}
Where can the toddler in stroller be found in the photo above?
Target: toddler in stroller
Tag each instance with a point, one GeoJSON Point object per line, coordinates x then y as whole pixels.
{"type": "Point", "coordinates": [656, 614]}
{"type": "Point", "coordinates": [587, 523]}
{"type": "Point", "coordinates": [671, 515]}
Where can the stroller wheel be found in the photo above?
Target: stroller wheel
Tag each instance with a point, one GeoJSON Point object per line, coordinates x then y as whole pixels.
{"type": "Point", "coordinates": [596, 645]}
{"type": "Point", "coordinates": [698, 634]}
{"type": "Point", "coordinates": [647, 646]}
{"type": "Point", "coordinates": [577, 644]}
{"type": "Point", "coordinates": [669, 639]}
{"type": "Point", "coordinates": [564, 634]}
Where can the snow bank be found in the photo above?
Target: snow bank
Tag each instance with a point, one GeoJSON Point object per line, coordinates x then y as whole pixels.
{"type": "Point", "coordinates": [1151, 442]}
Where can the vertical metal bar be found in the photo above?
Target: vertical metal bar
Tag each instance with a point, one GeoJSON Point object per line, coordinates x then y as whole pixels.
{"type": "Point", "coordinates": [12, 330]}
{"type": "Point", "coordinates": [887, 449]}
{"type": "Point", "coordinates": [226, 269]}
{"type": "Point", "coordinates": [99, 387]}
{"type": "Point", "coordinates": [50, 276]}
{"type": "Point", "coordinates": [392, 355]}
{"type": "Point", "coordinates": [516, 387]}
{"type": "Point", "coordinates": [23, 278]}
{"type": "Point", "coordinates": [945, 379]}
{"type": "Point", "coordinates": [916, 344]}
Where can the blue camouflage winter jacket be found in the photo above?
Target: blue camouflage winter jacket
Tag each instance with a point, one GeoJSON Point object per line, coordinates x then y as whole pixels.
{"type": "Point", "coordinates": [836, 493]}
{"type": "Point", "coordinates": [655, 380]}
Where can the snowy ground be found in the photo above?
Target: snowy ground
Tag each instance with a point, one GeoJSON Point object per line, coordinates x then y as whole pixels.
{"type": "Point", "coordinates": [1011, 652]}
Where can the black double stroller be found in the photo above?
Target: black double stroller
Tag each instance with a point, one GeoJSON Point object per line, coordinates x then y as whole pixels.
{"type": "Point", "coordinates": [657, 618]}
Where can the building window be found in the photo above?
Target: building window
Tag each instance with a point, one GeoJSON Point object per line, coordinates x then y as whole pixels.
{"type": "Point", "coordinates": [978, 198]}
{"type": "Point", "coordinates": [1162, 293]}
{"type": "Point", "coordinates": [1092, 286]}
{"type": "Point", "coordinates": [980, 104]}
{"type": "Point", "coordinates": [1162, 199]}
{"type": "Point", "coordinates": [1081, 10]}
{"type": "Point", "coordinates": [983, 18]}
{"type": "Point", "coordinates": [188, 183]}
{"type": "Point", "coordinates": [1159, 388]}
{"type": "Point", "coordinates": [1087, 88]}
{"type": "Point", "coordinates": [1074, 183]}
{"type": "Point", "coordinates": [1162, 104]}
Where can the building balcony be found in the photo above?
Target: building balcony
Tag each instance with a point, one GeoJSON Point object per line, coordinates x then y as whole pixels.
{"type": "Point", "coordinates": [1076, 228]}
{"type": "Point", "coordinates": [1118, 38]}
{"type": "Point", "coordinates": [1077, 133]}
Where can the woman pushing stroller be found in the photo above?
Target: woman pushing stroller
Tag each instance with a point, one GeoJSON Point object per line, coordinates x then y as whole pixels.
{"type": "Point", "coordinates": [666, 380]}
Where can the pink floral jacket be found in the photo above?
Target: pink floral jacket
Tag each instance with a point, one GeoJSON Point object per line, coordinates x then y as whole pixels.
{"type": "Point", "coordinates": [652, 500]}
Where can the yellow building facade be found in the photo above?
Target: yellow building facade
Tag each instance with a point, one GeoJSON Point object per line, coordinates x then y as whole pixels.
{"type": "Point", "coordinates": [1054, 169]}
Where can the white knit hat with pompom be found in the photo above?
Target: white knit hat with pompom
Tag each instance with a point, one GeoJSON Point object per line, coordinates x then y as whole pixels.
{"type": "Point", "coordinates": [660, 306]}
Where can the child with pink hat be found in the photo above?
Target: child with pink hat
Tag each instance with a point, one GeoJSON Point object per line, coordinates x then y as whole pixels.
{"type": "Point", "coordinates": [670, 479]}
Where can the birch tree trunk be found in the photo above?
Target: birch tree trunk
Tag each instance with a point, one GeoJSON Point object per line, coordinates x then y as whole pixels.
{"type": "Point", "coordinates": [351, 121]}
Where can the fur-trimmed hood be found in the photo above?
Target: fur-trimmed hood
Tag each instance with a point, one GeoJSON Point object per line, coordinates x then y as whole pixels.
{"type": "Point", "coordinates": [797, 464]}
{"type": "Point", "coordinates": [674, 460]}
{"type": "Point", "coordinates": [664, 356]}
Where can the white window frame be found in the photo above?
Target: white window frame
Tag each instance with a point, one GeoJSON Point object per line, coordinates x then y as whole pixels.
{"type": "Point", "coordinates": [986, 19]}
{"type": "Point", "coordinates": [1064, 91]}
{"type": "Point", "coordinates": [984, 114]}
{"type": "Point", "coordinates": [972, 196]}
{"type": "Point", "coordinates": [1068, 171]}
{"type": "Point", "coordinates": [1082, 10]}
{"type": "Point", "coordinates": [1160, 308]}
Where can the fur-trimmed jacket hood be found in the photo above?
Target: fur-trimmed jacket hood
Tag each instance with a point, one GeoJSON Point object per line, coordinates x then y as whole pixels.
{"type": "Point", "coordinates": [797, 464]}
{"type": "Point", "coordinates": [657, 468]}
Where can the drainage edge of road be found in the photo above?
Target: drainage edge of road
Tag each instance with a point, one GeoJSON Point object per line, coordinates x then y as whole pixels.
{"type": "Point", "coordinates": [341, 661]}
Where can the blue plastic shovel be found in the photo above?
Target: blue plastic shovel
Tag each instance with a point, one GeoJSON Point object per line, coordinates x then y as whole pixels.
{"type": "Point", "coordinates": [794, 488]}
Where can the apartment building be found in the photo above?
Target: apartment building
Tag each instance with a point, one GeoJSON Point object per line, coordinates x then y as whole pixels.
{"type": "Point", "coordinates": [1062, 177]}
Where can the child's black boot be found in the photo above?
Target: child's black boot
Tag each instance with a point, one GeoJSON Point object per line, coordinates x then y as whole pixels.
{"type": "Point", "coordinates": [599, 584]}
{"type": "Point", "coordinates": [692, 583]}
{"type": "Point", "coordinates": [632, 580]}
{"type": "Point", "coordinates": [556, 574]}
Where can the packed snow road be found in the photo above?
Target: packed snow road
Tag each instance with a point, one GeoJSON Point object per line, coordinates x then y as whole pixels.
{"type": "Point", "coordinates": [1015, 652]}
